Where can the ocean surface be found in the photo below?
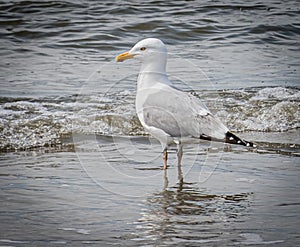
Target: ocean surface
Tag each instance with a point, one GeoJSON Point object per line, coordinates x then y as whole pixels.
{"type": "Point", "coordinates": [78, 169]}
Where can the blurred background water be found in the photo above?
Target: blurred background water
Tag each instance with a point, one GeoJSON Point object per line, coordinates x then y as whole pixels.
{"type": "Point", "coordinates": [78, 169]}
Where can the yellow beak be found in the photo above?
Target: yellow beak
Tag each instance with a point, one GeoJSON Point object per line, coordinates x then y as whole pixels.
{"type": "Point", "coordinates": [124, 56]}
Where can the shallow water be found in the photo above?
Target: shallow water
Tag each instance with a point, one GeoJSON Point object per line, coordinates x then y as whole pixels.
{"type": "Point", "coordinates": [78, 169]}
{"type": "Point", "coordinates": [232, 197]}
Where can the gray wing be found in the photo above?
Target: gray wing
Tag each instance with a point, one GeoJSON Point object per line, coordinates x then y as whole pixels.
{"type": "Point", "coordinates": [180, 114]}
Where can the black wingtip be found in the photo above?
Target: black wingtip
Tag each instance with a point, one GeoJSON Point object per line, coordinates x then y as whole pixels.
{"type": "Point", "coordinates": [233, 139]}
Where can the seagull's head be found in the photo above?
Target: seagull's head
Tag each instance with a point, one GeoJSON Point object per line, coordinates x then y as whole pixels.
{"type": "Point", "coordinates": [147, 51]}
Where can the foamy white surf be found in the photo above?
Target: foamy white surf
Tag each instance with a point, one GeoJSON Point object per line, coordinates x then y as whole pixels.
{"type": "Point", "coordinates": [28, 123]}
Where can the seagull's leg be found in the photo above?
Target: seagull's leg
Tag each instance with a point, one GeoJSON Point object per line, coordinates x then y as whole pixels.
{"type": "Point", "coordinates": [165, 158]}
{"type": "Point", "coordinates": [179, 157]}
{"type": "Point", "coordinates": [179, 153]}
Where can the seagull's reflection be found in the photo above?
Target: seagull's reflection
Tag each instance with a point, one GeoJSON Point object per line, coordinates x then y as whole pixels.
{"type": "Point", "coordinates": [180, 178]}
{"type": "Point", "coordinates": [187, 213]}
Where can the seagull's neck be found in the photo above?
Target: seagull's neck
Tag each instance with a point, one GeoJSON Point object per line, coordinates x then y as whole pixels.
{"type": "Point", "coordinates": [152, 73]}
{"type": "Point", "coordinates": [155, 64]}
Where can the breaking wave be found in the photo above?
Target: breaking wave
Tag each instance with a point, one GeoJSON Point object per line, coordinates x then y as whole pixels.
{"type": "Point", "coordinates": [28, 123]}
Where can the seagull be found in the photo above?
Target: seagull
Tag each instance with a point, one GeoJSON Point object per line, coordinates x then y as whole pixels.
{"type": "Point", "coordinates": [170, 115]}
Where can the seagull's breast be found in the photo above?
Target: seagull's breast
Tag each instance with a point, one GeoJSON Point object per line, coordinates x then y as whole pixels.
{"type": "Point", "coordinates": [144, 97]}
{"type": "Point", "coordinates": [150, 110]}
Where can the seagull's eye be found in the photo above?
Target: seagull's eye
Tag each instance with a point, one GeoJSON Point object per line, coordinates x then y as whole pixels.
{"type": "Point", "coordinates": [143, 48]}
